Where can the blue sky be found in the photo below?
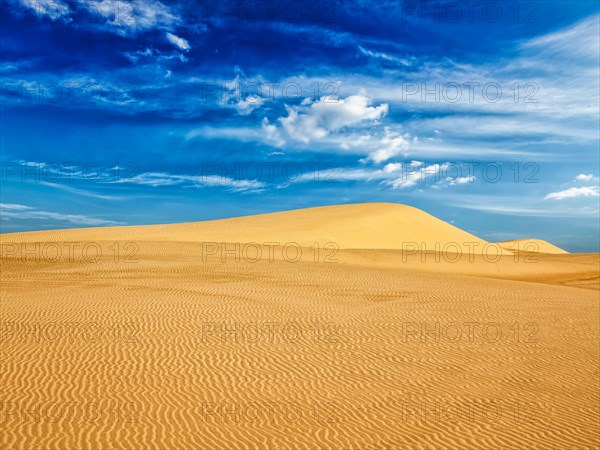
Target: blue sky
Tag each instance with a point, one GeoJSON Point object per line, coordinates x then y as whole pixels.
{"type": "Point", "coordinates": [485, 114]}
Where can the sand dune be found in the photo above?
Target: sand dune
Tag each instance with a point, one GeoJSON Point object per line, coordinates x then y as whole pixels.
{"type": "Point", "coordinates": [156, 343]}
{"type": "Point", "coordinates": [532, 246]}
{"type": "Point", "coordinates": [364, 225]}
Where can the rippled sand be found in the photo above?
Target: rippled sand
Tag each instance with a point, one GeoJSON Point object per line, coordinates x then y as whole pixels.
{"type": "Point", "coordinates": [163, 337]}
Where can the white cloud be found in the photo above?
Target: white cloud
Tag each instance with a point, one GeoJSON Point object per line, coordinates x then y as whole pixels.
{"type": "Point", "coordinates": [355, 142]}
{"type": "Point", "coordinates": [127, 19]}
{"type": "Point", "coordinates": [236, 93]}
{"type": "Point", "coordinates": [567, 102]}
{"type": "Point", "coordinates": [149, 54]}
{"type": "Point", "coordinates": [396, 175]}
{"type": "Point", "coordinates": [392, 144]}
{"type": "Point", "coordinates": [14, 211]}
{"type": "Point", "coordinates": [247, 105]}
{"type": "Point", "coordinates": [583, 33]}
{"type": "Point", "coordinates": [82, 192]}
{"type": "Point", "coordinates": [506, 207]}
{"type": "Point", "coordinates": [584, 177]}
{"type": "Point", "coordinates": [272, 134]}
{"type": "Point", "coordinates": [467, 126]}
{"type": "Point", "coordinates": [591, 191]}
{"type": "Point", "coordinates": [403, 175]}
{"type": "Point", "coordinates": [461, 180]}
{"type": "Point", "coordinates": [240, 133]}
{"type": "Point", "coordinates": [411, 178]}
{"type": "Point", "coordinates": [54, 9]}
{"type": "Point", "coordinates": [14, 206]}
{"type": "Point", "coordinates": [314, 121]}
{"type": "Point", "coordinates": [157, 179]}
{"type": "Point", "coordinates": [385, 57]}
{"type": "Point", "coordinates": [178, 42]}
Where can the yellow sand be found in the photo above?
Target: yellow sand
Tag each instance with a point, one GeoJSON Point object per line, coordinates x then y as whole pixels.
{"type": "Point", "coordinates": [365, 225]}
{"type": "Point", "coordinates": [164, 341]}
{"type": "Point", "coordinates": [531, 245]}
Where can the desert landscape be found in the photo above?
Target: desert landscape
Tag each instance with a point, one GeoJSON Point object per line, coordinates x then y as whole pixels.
{"type": "Point", "coordinates": [364, 326]}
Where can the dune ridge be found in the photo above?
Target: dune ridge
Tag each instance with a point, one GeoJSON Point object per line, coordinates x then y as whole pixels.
{"type": "Point", "coordinates": [532, 246]}
{"type": "Point", "coordinates": [354, 226]}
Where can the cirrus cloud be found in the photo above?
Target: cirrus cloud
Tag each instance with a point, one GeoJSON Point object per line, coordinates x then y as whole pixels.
{"type": "Point", "coordinates": [574, 192]}
{"type": "Point", "coordinates": [178, 42]}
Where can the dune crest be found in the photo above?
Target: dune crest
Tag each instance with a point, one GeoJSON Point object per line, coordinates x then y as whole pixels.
{"type": "Point", "coordinates": [532, 246]}
{"type": "Point", "coordinates": [355, 226]}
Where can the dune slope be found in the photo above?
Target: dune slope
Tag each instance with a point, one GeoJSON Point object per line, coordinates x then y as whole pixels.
{"type": "Point", "coordinates": [532, 246]}
{"type": "Point", "coordinates": [357, 226]}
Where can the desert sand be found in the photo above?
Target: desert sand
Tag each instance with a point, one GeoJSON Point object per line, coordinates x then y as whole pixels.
{"type": "Point", "coordinates": [370, 326]}
{"type": "Point", "coordinates": [532, 245]}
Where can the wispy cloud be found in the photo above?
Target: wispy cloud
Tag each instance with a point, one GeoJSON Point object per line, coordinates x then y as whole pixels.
{"type": "Point", "coordinates": [386, 57]}
{"type": "Point", "coordinates": [505, 205]}
{"type": "Point", "coordinates": [405, 175]}
{"type": "Point", "coordinates": [131, 18]}
{"type": "Point", "coordinates": [392, 144]}
{"type": "Point", "coordinates": [574, 192]}
{"type": "Point", "coordinates": [158, 179]}
{"type": "Point", "coordinates": [560, 42]}
{"type": "Point", "coordinates": [54, 9]}
{"type": "Point", "coordinates": [82, 192]}
{"type": "Point", "coordinates": [178, 42]}
{"type": "Point", "coordinates": [12, 211]}
{"type": "Point", "coordinates": [13, 206]}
